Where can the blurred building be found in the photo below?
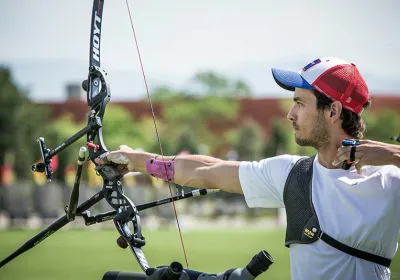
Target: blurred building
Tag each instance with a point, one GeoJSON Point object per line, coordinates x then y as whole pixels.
{"type": "Point", "coordinates": [74, 91]}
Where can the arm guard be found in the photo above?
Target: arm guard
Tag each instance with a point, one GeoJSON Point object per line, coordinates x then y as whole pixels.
{"type": "Point", "coordinates": [161, 169]}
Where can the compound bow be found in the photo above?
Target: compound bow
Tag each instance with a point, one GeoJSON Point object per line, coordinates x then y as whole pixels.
{"type": "Point", "coordinates": [125, 214]}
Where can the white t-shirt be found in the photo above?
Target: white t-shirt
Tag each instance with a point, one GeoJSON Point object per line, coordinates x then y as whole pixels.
{"type": "Point", "coordinates": [361, 211]}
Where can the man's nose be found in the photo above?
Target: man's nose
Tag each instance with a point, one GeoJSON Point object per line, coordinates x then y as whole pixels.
{"type": "Point", "coordinates": [290, 115]}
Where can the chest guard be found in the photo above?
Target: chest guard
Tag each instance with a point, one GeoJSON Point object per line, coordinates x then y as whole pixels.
{"type": "Point", "coordinates": [302, 221]}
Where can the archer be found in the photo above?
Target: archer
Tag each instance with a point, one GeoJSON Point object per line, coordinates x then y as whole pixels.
{"type": "Point", "coordinates": [342, 204]}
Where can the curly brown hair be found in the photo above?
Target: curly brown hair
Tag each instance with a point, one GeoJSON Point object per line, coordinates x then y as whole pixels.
{"type": "Point", "coordinates": [352, 123]}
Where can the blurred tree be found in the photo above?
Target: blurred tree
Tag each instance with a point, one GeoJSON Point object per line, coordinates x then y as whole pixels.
{"type": "Point", "coordinates": [56, 133]}
{"type": "Point", "coordinates": [215, 84]}
{"type": "Point", "coordinates": [212, 82]}
{"type": "Point", "coordinates": [382, 125]}
{"type": "Point", "coordinates": [119, 127]}
{"type": "Point", "coordinates": [163, 93]}
{"type": "Point", "coordinates": [19, 120]}
{"type": "Point", "coordinates": [278, 141]}
{"type": "Point", "coordinates": [186, 141]}
{"type": "Point", "coordinates": [10, 100]}
{"type": "Point", "coordinates": [206, 83]}
{"type": "Point", "coordinates": [34, 120]}
{"type": "Point", "coordinates": [198, 116]}
{"type": "Point", "coordinates": [147, 128]}
{"type": "Point", "coordinates": [249, 142]}
{"type": "Point", "coordinates": [190, 116]}
{"type": "Point", "coordinates": [241, 89]}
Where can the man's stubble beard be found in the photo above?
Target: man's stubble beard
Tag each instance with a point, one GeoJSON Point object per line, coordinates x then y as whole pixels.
{"type": "Point", "coordinates": [318, 137]}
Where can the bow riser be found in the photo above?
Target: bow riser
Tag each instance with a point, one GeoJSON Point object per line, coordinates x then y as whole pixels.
{"type": "Point", "coordinates": [98, 96]}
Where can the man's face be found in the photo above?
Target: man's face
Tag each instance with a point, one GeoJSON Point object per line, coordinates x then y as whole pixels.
{"type": "Point", "coordinates": [309, 124]}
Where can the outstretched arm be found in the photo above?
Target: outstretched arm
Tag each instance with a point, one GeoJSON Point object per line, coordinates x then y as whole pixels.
{"type": "Point", "coordinates": [198, 171]}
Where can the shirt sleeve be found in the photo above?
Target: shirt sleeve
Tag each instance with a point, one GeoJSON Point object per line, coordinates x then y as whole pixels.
{"type": "Point", "coordinates": [263, 182]}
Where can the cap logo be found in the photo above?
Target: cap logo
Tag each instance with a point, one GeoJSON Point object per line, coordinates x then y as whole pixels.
{"type": "Point", "coordinates": [308, 66]}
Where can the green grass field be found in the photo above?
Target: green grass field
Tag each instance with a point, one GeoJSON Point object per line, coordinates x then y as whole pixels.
{"type": "Point", "coordinates": [88, 254]}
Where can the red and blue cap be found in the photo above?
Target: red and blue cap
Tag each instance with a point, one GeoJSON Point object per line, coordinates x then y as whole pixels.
{"type": "Point", "coordinates": [333, 77]}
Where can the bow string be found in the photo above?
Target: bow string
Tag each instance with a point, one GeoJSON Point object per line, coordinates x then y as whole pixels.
{"type": "Point", "coordinates": [155, 127]}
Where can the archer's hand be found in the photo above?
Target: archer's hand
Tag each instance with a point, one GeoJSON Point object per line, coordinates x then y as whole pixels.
{"type": "Point", "coordinates": [370, 153]}
{"type": "Point", "coordinates": [121, 157]}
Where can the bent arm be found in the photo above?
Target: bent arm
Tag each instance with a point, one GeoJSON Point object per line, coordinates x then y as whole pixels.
{"type": "Point", "coordinates": [199, 171]}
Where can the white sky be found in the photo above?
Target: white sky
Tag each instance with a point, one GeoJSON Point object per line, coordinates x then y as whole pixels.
{"type": "Point", "coordinates": [180, 37]}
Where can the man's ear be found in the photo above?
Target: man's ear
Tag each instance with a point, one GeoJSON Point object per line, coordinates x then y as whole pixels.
{"type": "Point", "coordinates": [336, 110]}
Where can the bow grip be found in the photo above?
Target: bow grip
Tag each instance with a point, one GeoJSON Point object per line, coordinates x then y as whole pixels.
{"type": "Point", "coordinates": [108, 172]}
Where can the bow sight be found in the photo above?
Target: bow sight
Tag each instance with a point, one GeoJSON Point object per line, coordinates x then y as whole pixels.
{"type": "Point", "coordinates": [125, 213]}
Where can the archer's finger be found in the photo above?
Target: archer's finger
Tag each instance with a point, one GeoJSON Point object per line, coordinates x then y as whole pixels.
{"type": "Point", "coordinates": [124, 171]}
{"type": "Point", "coordinates": [342, 156]}
{"type": "Point", "coordinates": [344, 149]}
{"type": "Point", "coordinates": [359, 165]}
{"type": "Point", "coordinates": [102, 159]}
{"type": "Point", "coordinates": [363, 142]}
{"type": "Point", "coordinates": [123, 147]}
{"type": "Point", "coordinates": [114, 157]}
{"type": "Point", "coordinates": [346, 155]}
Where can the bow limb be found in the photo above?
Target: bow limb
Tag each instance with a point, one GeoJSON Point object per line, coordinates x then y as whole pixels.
{"type": "Point", "coordinates": [156, 129]}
